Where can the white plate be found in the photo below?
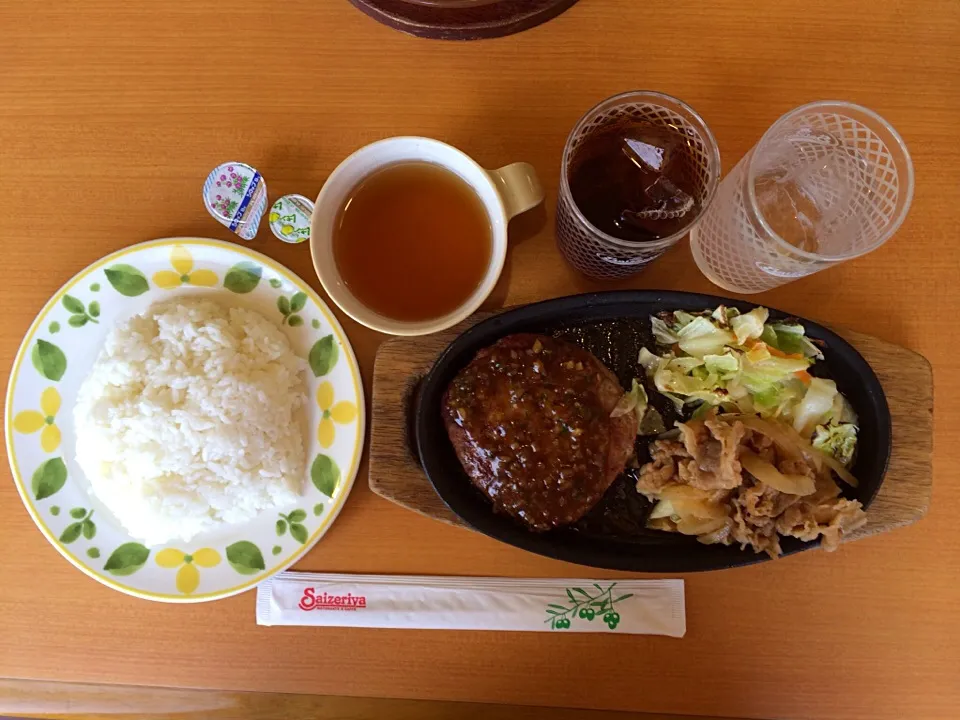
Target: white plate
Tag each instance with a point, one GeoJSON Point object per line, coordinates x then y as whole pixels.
{"type": "Point", "coordinates": [58, 353]}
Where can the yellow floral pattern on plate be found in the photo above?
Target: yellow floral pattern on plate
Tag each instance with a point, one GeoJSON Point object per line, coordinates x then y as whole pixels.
{"type": "Point", "coordinates": [188, 576]}
{"type": "Point", "coordinates": [183, 272]}
{"type": "Point", "coordinates": [30, 421]}
{"type": "Point", "coordinates": [43, 383]}
{"type": "Point", "coordinates": [342, 412]}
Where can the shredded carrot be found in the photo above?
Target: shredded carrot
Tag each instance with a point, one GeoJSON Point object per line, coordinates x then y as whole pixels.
{"type": "Point", "coordinates": [782, 354]}
{"type": "Point", "coordinates": [751, 344]}
{"type": "Point", "coordinates": [804, 376]}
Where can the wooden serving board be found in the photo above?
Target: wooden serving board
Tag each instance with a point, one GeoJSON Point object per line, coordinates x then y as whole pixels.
{"type": "Point", "coordinates": [906, 376]}
{"type": "Point", "coordinates": [466, 22]}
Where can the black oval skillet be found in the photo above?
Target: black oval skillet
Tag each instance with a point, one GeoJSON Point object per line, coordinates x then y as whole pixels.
{"type": "Point", "coordinates": [613, 325]}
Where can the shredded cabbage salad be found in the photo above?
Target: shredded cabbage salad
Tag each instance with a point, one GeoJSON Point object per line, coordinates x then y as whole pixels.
{"type": "Point", "coordinates": [744, 363]}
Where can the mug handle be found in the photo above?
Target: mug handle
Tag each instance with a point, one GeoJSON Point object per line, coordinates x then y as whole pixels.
{"type": "Point", "coordinates": [518, 186]}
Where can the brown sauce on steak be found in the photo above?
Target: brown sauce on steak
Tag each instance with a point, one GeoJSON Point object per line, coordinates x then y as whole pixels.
{"type": "Point", "coordinates": [530, 420]}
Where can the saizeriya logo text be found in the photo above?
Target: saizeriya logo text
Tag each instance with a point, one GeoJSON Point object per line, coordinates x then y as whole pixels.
{"type": "Point", "coordinates": [314, 600]}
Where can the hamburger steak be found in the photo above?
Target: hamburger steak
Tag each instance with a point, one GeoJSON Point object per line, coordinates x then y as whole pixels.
{"type": "Point", "coordinates": [529, 419]}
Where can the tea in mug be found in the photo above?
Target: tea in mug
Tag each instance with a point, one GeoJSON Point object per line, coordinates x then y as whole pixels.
{"type": "Point", "coordinates": [413, 241]}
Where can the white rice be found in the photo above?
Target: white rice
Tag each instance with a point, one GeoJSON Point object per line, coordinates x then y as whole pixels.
{"type": "Point", "coordinates": [189, 420]}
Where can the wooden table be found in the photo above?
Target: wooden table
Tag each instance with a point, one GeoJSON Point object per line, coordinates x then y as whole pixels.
{"type": "Point", "coordinates": [111, 114]}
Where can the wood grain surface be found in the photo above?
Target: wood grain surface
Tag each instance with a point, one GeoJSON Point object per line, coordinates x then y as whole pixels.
{"type": "Point", "coordinates": [75, 701]}
{"type": "Point", "coordinates": [112, 114]}
{"type": "Point", "coordinates": [395, 472]}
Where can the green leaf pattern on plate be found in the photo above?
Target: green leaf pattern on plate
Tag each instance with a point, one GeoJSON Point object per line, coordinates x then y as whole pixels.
{"type": "Point", "coordinates": [243, 277]}
{"type": "Point", "coordinates": [48, 478]}
{"type": "Point", "coordinates": [245, 558]}
{"type": "Point", "coordinates": [80, 313]}
{"type": "Point", "coordinates": [84, 525]}
{"type": "Point", "coordinates": [290, 307]}
{"type": "Point", "coordinates": [71, 533]}
{"type": "Point", "coordinates": [293, 521]}
{"type": "Point", "coordinates": [49, 360]}
{"type": "Point", "coordinates": [89, 528]}
{"type": "Point", "coordinates": [127, 280]}
{"type": "Point", "coordinates": [299, 533]}
{"type": "Point", "coordinates": [73, 305]}
{"type": "Point", "coordinates": [323, 355]}
{"type": "Point", "coordinates": [127, 559]}
{"type": "Point", "coordinates": [325, 474]}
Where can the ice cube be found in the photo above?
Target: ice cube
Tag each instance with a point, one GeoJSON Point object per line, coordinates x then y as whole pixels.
{"type": "Point", "coordinates": [651, 147]}
{"type": "Point", "coordinates": [665, 202]}
{"type": "Point", "coordinates": [653, 150]}
{"type": "Point", "coordinates": [629, 178]}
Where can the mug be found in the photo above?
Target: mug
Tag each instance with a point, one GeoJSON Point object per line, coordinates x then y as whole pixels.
{"type": "Point", "coordinates": [505, 193]}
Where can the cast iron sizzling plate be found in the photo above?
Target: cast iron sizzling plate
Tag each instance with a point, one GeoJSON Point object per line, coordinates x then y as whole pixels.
{"type": "Point", "coordinates": [613, 326]}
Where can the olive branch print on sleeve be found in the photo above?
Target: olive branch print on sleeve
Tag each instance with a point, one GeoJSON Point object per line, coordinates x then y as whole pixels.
{"type": "Point", "coordinates": [588, 605]}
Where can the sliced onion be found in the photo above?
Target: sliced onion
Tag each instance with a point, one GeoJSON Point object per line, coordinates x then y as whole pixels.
{"type": "Point", "coordinates": [767, 474]}
{"type": "Point", "coordinates": [700, 526]}
{"type": "Point", "coordinates": [691, 502]}
{"type": "Point", "coordinates": [626, 404]}
{"type": "Point", "coordinates": [665, 524]}
{"type": "Point", "coordinates": [662, 509]}
{"type": "Point", "coordinates": [790, 440]}
{"type": "Point", "coordinates": [783, 435]}
{"type": "Point", "coordinates": [835, 465]}
{"type": "Point", "coordinates": [717, 536]}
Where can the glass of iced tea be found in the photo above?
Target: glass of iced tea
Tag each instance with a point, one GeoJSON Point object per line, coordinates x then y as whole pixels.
{"type": "Point", "coordinates": [829, 181]}
{"type": "Point", "coordinates": [638, 171]}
